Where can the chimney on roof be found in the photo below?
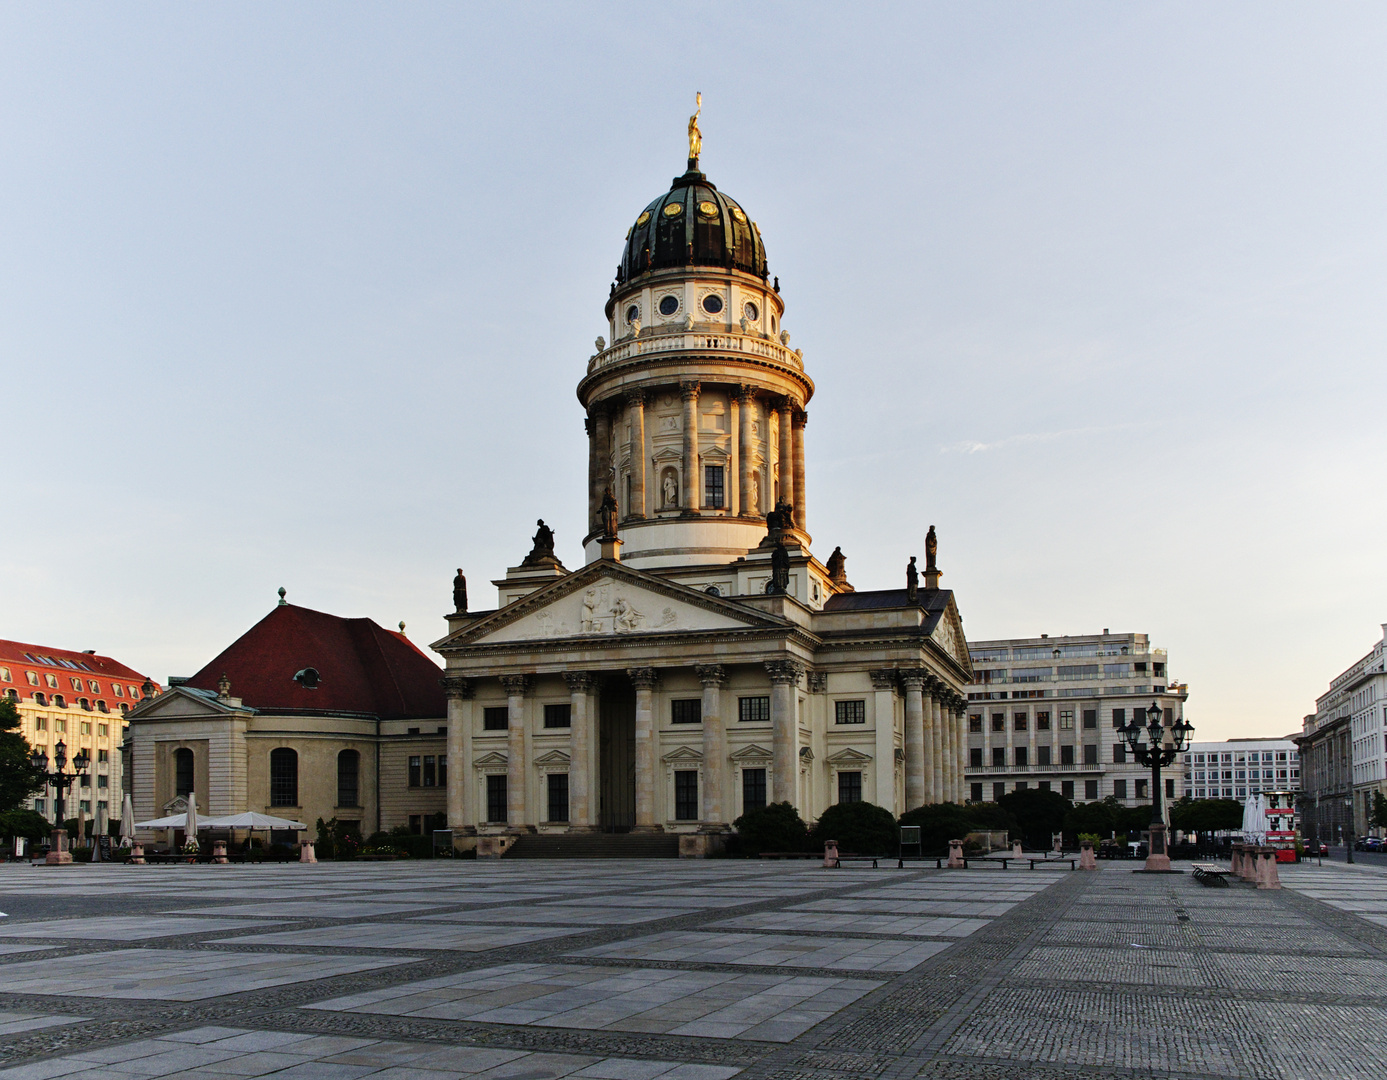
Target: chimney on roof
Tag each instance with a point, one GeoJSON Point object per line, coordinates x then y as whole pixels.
{"type": "Point", "coordinates": [1105, 629]}
{"type": "Point", "coordinates": [92, 652]}
{"type": "Point", "coordinates": [1044, 635]}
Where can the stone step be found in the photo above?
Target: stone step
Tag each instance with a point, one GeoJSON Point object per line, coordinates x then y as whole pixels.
{"type": "Point", "coordinates": [595, 846]}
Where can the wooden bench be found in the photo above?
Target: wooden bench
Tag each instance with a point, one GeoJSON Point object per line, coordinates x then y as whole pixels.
{"type": "Point", "coordinates": [1051, 862]}
{"type": "Point", "coordinates": [1207, 873]}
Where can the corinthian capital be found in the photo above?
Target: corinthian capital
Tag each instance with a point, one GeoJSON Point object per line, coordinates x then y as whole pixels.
{"type": "Point", "coordinates": [579, 681]}
{"type": "Point", "coordinates": [784, 672]}
{"type": "Point", "coordinates": [883, 678]}
{"type": "Point", "coordinates": [517, 684]}
{"type": "Point", "coordinates": [689, 390]}
{"type": "Point", "coordinates": [711, 674]}
{"type": "Point", "coordinates": [915, 679]}
{"type": "Point", "coordinates": [643, 678]}
{"type": "Point", "coordinates": [456, 687]}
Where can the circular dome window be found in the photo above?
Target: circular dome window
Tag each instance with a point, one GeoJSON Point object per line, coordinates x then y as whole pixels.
{"type": "Point", "coordinates": [712, 303]}
{"type": "Point", "coordinates": [751, 311]}
{"type": "Point", "coordinates": [673, 210]}
{"type": "Point", "coordinates": [669, 305]}
{"type": "Point", "coordinates": [633, 313]}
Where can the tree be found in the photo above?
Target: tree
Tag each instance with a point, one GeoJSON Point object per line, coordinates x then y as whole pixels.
{"type": "Point", "coordinates": [19, 780]}
{"type": "Point", "coordinates": [1206, 815]}
{"type": "Point", "coordinates": [1379, 814]}
{"type": "Point", "coordinates": [24, 823]}
{"type": "Point", "coordinates": [777, 827]}
{"type": "Point", "coordinates": [1099, 818]}
{"type": "Point", "coordinates": [939, 823]}
{"type": "Point", "coordinates": [1039, 814]}
{"type": "Point", "coordinates": [861, 828]}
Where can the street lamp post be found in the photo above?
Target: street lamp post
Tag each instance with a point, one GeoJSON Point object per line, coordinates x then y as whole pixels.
{"type": "Point", "coordinates": [1162, 746]}
{"type": "Point", "coordinates": [1348, 832]}
{"type": "Point", "coordinates": [60, 781]}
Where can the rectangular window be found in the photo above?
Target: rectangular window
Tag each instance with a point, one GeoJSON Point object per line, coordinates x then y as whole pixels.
{"type": "Point", "coordinates": [1022, 785]}
{"type": "Point", "coordinates": [1090, 789]}
{"type": "Point", "coordinates": [686, 711]}
{"type": "Point", "coordinates": [1141, 789]}
{"type": "Point", "coordinates": [40, 723]}
{"type": "Point", "coordinates": [849, 712]}
{"type": "Point", "coordinates": [1119, 753]}
{"type": "Point", "coordinates": [753, 789]}
{"type": "Point", "coordinates": [753, 710]}
{"type": "Point", "coordinates": [103, 730]}
{"type": "Point", "coordinates": [416, 771]}
{"type": "Point", "coordinates": [1067, 788]}
{"type": "Point", "coordinates": [496, 799]}
{"type": "Point", "coordinates": [1021, 757]}
{"type": "Point", "coordinates": [998, 790]}
{"type": "Point", "coordinates": [686, 794]}
{"type": "Point", "coordinates": [999, 757]}
{"type": "Point", "coordinates": [1119, 789]}
{"type": "Point", "coordinates": [975, 723]}
{"type": "Point", "coordinates": [86, 728]}
{"type": "Point", "coordinates": [1042, 721]}
{"type": "Point", "coordinates": [1067, 755]}
{"type": "Point", "coordinates": [1119, 718]}
{"type": "Point", "coordinates": [712, 487]}
{"type": "Point", "coordinates": [102, 780]}
{"type": "Point", "coordinates": [495, 718]}
{"type": "Point", "coordinates": [975, 795]}
{"type": "Point", "coordinates": [430, 771]}
{"type": "Point", "coordinates": [975, 757]}
{"type": "Point", "coordinates": [1090, 753]}
{"type": "Point", "coordinates": [117, 689]}
{"type": "Point", "coordinates": [1042, 755]}
{"type": "Point", "coordinates": [558, 716]}
{"type": "Point", "coordinates": [1090, 718]}
{"type": "Point", "coordinates": [443, 776]}
{"type": "Point", "coordinates": [86, 805]}
{"type": "Point", "coordinates": [1066, 719]}
{"type": "Point", "coordinates": [103, 755]}
{"type": "Point", "coordinates": [558, 796]}
{"type": "Point", "coordinates": [849, 787]}
{"type": "Point", "coordinates": [999, 721]}
{"type": "Point", "coordinates": [1018, 721]}
{"type": "Point", "coordinates": [1170, 789]}
{"type": "Point", "coordinates": [416, 824]}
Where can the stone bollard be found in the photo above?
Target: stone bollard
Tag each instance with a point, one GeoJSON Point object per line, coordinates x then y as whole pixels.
{"type": "Point", "coordinates": [956, 855]}
{"type": "Point", "coordinates": [1233, 867]}
{"type": "Point", "coordinates": [1249, 863]}
{"type": "Point", "coordinates": [306, 853]}
{"type": "Point", "coordinates": [830, 854]}
{"type": "Point", "coordinates": [1016, 849]}
{"type": "Point", "coordinates": [219, 852]}
{"type": "Point", "coordinates": [137, 854]}
{"type": "Point", "coordinates": [1268, 877]}
{"type": "Point", "coordinates": [1087, 860]}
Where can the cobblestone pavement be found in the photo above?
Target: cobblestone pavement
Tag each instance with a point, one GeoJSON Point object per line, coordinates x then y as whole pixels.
{"type": "Point", "coordinates": [687, 971]}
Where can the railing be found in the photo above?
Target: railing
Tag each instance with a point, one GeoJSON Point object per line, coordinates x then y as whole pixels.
{"type": "Point", "coordinates": [692, 341]}
{"type": "Point", "coordinates": [1077, 767]}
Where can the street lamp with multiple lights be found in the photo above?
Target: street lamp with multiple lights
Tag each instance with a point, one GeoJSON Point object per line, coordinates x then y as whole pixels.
{"type": "Point", "coordinates": [1163, 745]}
{"type": "Point", "coordinates": [60, 781]}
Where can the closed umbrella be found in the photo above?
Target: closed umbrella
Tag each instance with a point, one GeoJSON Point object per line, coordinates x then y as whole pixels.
{"type": "Point", "coordinates": [190, 826]}
{"type": "Point", "coordinates": [81, 827]}
{"type": "Point", "coordinates": [127, 822]}
{"type": "Point", "coordinates": [1254, 818]}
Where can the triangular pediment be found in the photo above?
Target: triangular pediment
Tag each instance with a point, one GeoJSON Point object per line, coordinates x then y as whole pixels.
{"type": "Point", "coordinates": [493, 758]}
{"type": "Point", "coordinates": [848, 756]}
{"type": "Point", "coordinates": [947, 633]}
{"type": "Point", "coordinates": [683, 755]}
{"type": "Point", "coordinates": [553, 757]}
{"type": "Point", "coordinates": [185, 703]}
{"type": "Point", "coordinates": [608, 600]}
{"type": "Point", "coordinates": [751, 753]}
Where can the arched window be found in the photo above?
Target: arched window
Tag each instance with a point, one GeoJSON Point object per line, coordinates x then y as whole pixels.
{"type": "Point", "coordinates": [284, 777]}
{"type": "Point", "coordinates": [183, 776]}
{"type": "Point", "coordinates": [348, 778]}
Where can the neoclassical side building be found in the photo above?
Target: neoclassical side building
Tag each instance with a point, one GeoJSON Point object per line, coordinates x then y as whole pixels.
{"type": "Point", "coordinates": [703, 661]}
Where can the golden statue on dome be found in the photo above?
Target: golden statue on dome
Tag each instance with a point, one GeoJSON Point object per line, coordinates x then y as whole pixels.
{"type": "Point", "coordinates": [695, 136]}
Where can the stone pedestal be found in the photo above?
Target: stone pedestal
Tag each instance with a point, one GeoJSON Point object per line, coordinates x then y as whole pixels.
{"type": "Point", "coordinates": [493, 847]}
{"type": "Point", "coordinates": [830, 854]}
{"type": "Point", "coordinates": [137, 854]}
{"type": "Point", "coordinates": [1087, 860]}
{"type": "Point", "coordinates": [58, 854]}
{"type": "Point", "coordinates": [1268, 877]}
{"type": "Point", "coordinates": [1016, 849]}
{"type": "Point", "coordinates": [1158, 861]}
{"type": "Point", "coordinates": [306, 853]}
{"type": "Point", "coordinates": [956, 854]}
{"type": "Point", "coordinates": [219, 852]}
{"type": "Point", "coordinates": [701, 845]}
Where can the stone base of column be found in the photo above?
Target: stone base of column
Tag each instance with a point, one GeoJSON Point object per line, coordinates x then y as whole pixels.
{"type": "Point", "coordinates": [520, 830]}
{"type": "Point", "coordinates": [464, 830]}
{"type": "Point", "coordinates": [585, 829]}
{"type": "Point", "coordinates": [647, 829]}
{"type": "Point", "coordinates": [701, 845]}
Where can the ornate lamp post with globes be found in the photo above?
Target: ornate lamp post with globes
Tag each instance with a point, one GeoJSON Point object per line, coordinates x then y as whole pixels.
{"type": "Point", "coordinates": [1162, 746]}
{"type": "Point", "coordinates": [60, 781]}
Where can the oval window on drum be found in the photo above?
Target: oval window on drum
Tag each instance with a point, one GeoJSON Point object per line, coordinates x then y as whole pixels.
{"type": "Point", "coordinates": [751, 311]}
{"type": "Point", "coordinates": [632, 313]}
{"type": "Point", "coordinates": [669, 305]}
{"type": "Point", "coordinates": [712, 303]}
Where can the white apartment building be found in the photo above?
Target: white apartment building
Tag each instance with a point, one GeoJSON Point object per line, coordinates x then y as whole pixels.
{"type": "Point", "coordinates": [1238, 768]}
{"type": "Point", "coordinates": [1352, 712]}
{"type": "Point", "coordinates": [1044, 712]}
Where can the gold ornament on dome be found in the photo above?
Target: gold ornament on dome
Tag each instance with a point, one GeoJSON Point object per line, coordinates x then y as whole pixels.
{"type": "Point", "coordinates": [645, 216]}
{"type": "Point", "coordinates": [708, 209]}
{"type": "Point", "coordinates": [737, 213]}
{"type": "Point", "coordinates": [673, 210]}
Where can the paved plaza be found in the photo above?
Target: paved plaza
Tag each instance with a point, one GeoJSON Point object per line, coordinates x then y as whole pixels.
{"type": "Point", "coordinates": [686, 971]}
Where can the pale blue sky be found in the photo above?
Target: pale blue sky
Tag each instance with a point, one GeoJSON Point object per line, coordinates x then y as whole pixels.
{"type": "Point", "coordinates": [298, 295]}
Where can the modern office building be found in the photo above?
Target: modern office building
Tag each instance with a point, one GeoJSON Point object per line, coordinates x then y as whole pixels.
{"type": "Point", "coordinates": [1044, 712]}
{"type": "Point", "coordinates": [1239, 768]}
{"type": "Point", "coordinates": [79, 699]}
{"type": "Point", "coordinates": [1343, 746]}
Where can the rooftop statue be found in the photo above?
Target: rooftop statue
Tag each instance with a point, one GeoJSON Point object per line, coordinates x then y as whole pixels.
{"type": "Point", "coordinates": [460, 592]}
{"type": "Point", "coordinates": [609, 515]}
{"type": "Point", "coordinates": [780, 570]}
{"type": "Point", "coordinates": [931, 549]}
{"type": "Point", "coordinates": [543, 551]}
{"type": "Point", "coordinates": [912, 581]}
{"type": "Point", "coordinates": [695, 136]}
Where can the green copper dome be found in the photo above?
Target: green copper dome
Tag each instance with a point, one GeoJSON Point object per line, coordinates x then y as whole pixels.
{"type": "Point", "coordinates": [693, 224]}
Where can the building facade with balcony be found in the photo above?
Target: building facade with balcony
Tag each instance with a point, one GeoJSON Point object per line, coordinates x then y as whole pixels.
{"type": "Point", "coordinates": [1343, 746]}
{"type": "Point", "coordinates": [80, 699]}
{"type": "Point", "coordinates": [1240, 768]}
{"type": "Point", "coordinates": [1043, 712]}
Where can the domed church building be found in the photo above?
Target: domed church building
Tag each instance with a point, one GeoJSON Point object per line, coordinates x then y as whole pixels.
{"type": "Point", "coordinates": [703, 662]}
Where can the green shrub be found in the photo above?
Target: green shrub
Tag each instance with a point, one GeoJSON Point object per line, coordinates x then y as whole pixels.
{"type": "Point", "coordinates": [861, 828]}
{"type": "Point", "coordinates": [1039, 814]}
{"type": "Point", "coordinates": [939, 823]}
{"type": "Point", "coordinates": [776, 827]}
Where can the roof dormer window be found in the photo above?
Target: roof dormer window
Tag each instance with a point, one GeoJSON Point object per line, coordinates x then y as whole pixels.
{"type": "Point", "coordinates": [307, 678]}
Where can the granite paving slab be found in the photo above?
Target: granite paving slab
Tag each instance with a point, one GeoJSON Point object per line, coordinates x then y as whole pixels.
{"type": "Point", "coordinates": [773, 950]}
{"type": "Point", "coordinates": [414, 934]}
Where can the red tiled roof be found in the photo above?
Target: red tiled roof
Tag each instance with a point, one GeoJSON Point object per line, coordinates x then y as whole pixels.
{"type": "Point", "coordinates": [362, 667]}
{"type": "Point", "coordinates": [20, 657]}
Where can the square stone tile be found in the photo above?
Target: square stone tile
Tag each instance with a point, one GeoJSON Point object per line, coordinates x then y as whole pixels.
{"type": "Point", "coordinates": [898, 925]}
{"type": "Point", "coordinates": [411, 935]}
{"type": "Point", "coordinates": [772, 950]}
{"type": "Point", "coordinates": [120, 928]}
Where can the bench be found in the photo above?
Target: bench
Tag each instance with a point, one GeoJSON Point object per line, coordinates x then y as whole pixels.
{"type": "Point", "coordinates": [1212, 874]}
{"type": "Point", "coordinates": [1052, 862]}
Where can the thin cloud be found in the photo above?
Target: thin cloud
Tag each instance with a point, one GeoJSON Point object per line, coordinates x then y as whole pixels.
{"type": "Point", "coordinates": [972, 446]}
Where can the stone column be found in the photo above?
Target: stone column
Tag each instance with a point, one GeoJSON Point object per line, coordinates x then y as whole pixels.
{"type": "Point", "coordinates": [734, 460]}
{"type": "Point", "coordinates": [914, 738]}
{"type": "Point", "coordinates": [801, 513]}
{"type": "Point", "coordinates": [517, 767]}
{"type": "Point", "coordinates": [936, 742]}
{"type": "Point", "coordinates": [784, 728]}
{"type": "Point", "coordinates": [787, 453]}
{"type": "Point", "coordinates": [644, 680]}
{"type": "Point", "coordinates": [961, 731]}
{"type": "Point", "coordinates": [602, 460]}
{"type": "Point", "coordinates": [715, 802]}
{"type": "Point", "coordinates": [746, 401]}
{"type": "Point", "coordinates": [580, 802]}
{"type": "Point", "coordinates": [946, 739]}
{"type": "Point", "coordinates": [693, 483]}
{"type": "Point", "coordinates": [460, 801]}
{"type": "Point", "coordinates": [635, 403]}
{"type": "Point", "coordinates": [884, 715]}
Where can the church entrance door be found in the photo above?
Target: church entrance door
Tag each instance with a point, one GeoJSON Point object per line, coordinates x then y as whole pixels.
{"type": "Point", "coordinates": [617, 754]}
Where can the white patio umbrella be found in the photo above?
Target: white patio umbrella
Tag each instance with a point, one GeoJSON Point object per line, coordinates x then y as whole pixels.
{"type": "Point", "coordinates": [190, 828]}
{"type": "Point", "coordinates": [127, 822]}
{"type": "Point", "coordinates": [173, 821]}
{"type": "Point", "coordinates": [251, 820]}
{"type": "Point", "coordinates": [1254, 818]}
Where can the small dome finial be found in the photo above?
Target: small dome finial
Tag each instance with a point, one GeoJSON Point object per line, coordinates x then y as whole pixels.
{"type": "Point", "coordinates": [282, 601]}
{"type": "Point", "coordinates": [695, 136]}
{"type": "Point", "coordinates": [402, 626]}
